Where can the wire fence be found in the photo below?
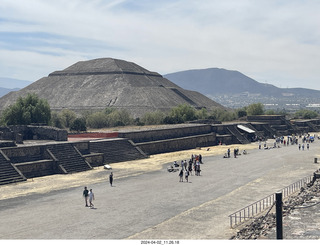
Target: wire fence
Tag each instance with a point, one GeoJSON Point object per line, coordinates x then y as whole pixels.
{"type": "Point", "coordinates": [258, 207]}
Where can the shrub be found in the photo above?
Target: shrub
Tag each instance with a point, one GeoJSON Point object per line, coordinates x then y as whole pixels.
{"type": "Point", "coordinates": [27, 110]}
{"type": "Point", "coordinates": [79, 124]}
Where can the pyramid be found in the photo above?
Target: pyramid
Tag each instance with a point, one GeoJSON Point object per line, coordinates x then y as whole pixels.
{"type": "Point", "coordinates": [107, 82]}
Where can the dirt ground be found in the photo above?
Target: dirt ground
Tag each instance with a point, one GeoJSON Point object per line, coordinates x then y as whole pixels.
{"type": "Point", "coordinates": [46, 184]}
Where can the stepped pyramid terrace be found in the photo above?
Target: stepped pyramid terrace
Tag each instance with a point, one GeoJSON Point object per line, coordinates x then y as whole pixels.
{"type": "Point", "coordinates": [106, 82]}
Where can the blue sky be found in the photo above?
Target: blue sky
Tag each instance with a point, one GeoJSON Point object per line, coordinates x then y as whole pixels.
{"type": "Point", "coordinates": [272, 41]}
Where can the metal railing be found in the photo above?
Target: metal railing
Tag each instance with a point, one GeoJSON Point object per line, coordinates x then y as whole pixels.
{"type": "Point", "coordinates": [258, 207]}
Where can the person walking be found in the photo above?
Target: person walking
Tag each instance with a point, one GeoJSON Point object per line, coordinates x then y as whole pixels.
{"type": "Point", "coordinates": [181, 175]}
{"type": "Point", "coordinates": [85, 195]}
{"type": "Point", "coordinates": [198, 168]}
{"type": "Point", "coordinates": [190, 167]}
{"type": "Point", "coordinates": [187, 175]}
{"type": "Point", "coordinates": [91, 198]}
{"type": "Point", "coordinates": [185, 165]}
{"type": "Point", "coordinates": [111, 178]}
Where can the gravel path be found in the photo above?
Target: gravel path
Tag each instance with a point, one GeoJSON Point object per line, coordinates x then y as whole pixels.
{"type": "Point", "coordinates": [148, 202]}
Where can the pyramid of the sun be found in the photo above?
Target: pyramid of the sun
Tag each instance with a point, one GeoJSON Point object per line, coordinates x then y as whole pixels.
{"type": "Point", "coordinates": [106, 82]}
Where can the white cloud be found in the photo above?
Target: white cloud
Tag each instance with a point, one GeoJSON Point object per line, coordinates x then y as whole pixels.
{"type": "Point", "coordinates": [274, 41]}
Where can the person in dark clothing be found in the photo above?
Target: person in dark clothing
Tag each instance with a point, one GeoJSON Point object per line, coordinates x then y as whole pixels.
{"type": "Point", "coordinates": [85, 195]}
{"type": "Point", "coordinates": [190, 167]}
{"type": "Point", "coordinates": [111, 179]}
{"type": "Point", "coordinates": [181, 175]}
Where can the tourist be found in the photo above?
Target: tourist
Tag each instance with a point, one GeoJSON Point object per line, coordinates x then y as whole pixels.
{"type": "Point", "coordinates": [85, 195]}
{"type": "Point", "coordinates": [197, 168]}
{"type": "Point", "coordinates": [185, 165]}
{"type": "Point", "coordinates": [91, 198]}
{"type": "Point", "coordinates": [299, 147]}
{"type": "Point", "coordinates": [187, 175]}
{"type": "Point", "coordinates": [308, 146]}
{"type": "Point", "coordinates": [111, 179]}
{"type": "Point", "coordinates": [181, 175]}
{"type": "Point", "coordinates": [190, 167]}
{"type": "Point", "coordinates": [228, 152]}
{"type": "Point", "coordinates": [303, 147]}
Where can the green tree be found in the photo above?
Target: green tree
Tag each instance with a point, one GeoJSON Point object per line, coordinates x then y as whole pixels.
{"type": "Point", "coordinates": [242, 112]}
{"type": "Point", "coordinates": [255, 109]}
{"type": "Point", "coordinates": [306, 114]}
{"type": "Point", "coordinates": [120, 118]}
{"type": "Point", "coordinates": [182, 113]}
{"type": "Point", "coordinates": [222, 115]}
{"type": "Point", "coordinates": [98, 120]}
{"type": "Point", "coordinates": [202, 114]}
{"type": "Point", "coordinates": [79, 124]}
{"type": "Point", "coordinates": [152, 118]}
{"type": "Point", "coordinates": [27, 110]}
{"type": "Point", "coordinates": [56, 120]}
{"type": "Point", "coordinates": [67, 116]}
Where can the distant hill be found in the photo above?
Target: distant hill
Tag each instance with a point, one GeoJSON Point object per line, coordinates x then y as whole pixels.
{"type": "Point", "coordinates": [4, 91]}
{"type": "Point", "coordinates": [216, 81]}
{"type": "Point", "coordinates": [11, 83]}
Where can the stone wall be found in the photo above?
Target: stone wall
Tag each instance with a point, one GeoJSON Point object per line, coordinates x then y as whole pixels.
{"type": "Point", "coordinates": [168, 133]}
{"type": "Point", "coordinates": [30, 132]}
{"type": "Point", "coordinates": [82, 146]}
{"type": "Point", "coordinates": [177, 144]}
{"type": "Point", "coordinates": [6, 134]}
{"type": "Point", "coordinates": [26, 153]}
{"type": "Point", "coordinates": [48, 133]}
{"type": "Point", "coordinates": [95, 159]}
{"type": "Point", "coordinates": [38, 168]}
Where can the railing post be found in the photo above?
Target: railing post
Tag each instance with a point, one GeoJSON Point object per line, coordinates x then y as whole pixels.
{"type": "Point", "coordinates": [279, 215]}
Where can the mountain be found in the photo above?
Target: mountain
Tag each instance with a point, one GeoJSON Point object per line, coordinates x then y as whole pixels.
{"type": "Point", "coordinates": [12, 83]}
{"type": "Point", "coordinates": [216, 81]}
{"type": "Point", "coordinates": [4, 91]}
{"type": "Point", "coordinates": [107, 82]}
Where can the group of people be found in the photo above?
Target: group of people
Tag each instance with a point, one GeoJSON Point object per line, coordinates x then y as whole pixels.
{"type": "Point", "coordinates": [187, 169]}
{"type": "Point", "coordinates": [291, 140]}
{"type": "Point", "coordinates": [89, 195]}
{"type": "Point", "coordinates": [235, 153]}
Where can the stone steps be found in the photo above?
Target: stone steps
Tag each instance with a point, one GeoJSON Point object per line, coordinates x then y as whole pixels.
{"type": "Point", "coordinates": [8, 174]}
{"type": "Point", "coordinates": [116, 150]}
{"type": "Point", "coordinates": [70, 159]}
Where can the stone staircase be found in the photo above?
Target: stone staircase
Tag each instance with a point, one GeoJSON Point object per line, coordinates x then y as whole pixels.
{"type": "Point", "coordinates": [272, 132]}
{"type": "Point", "coordinates": [8, 173]}
{"type": "Point", "coordinates": [312, 127]}
{"type": "Point", "coordinates": [291, 127]}
{"type": "Point", "coordinates": [259, 134]}
{"type": "Point", "coordinates": [117, 150]}
{"type": "Point", "coordinates": [235, 132]}
{"type": "Point", "coordinates": [69, 158]}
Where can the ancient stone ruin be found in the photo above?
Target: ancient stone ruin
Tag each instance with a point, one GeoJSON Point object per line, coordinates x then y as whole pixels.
{"type": "Point", "coordinates": [100, 83]}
